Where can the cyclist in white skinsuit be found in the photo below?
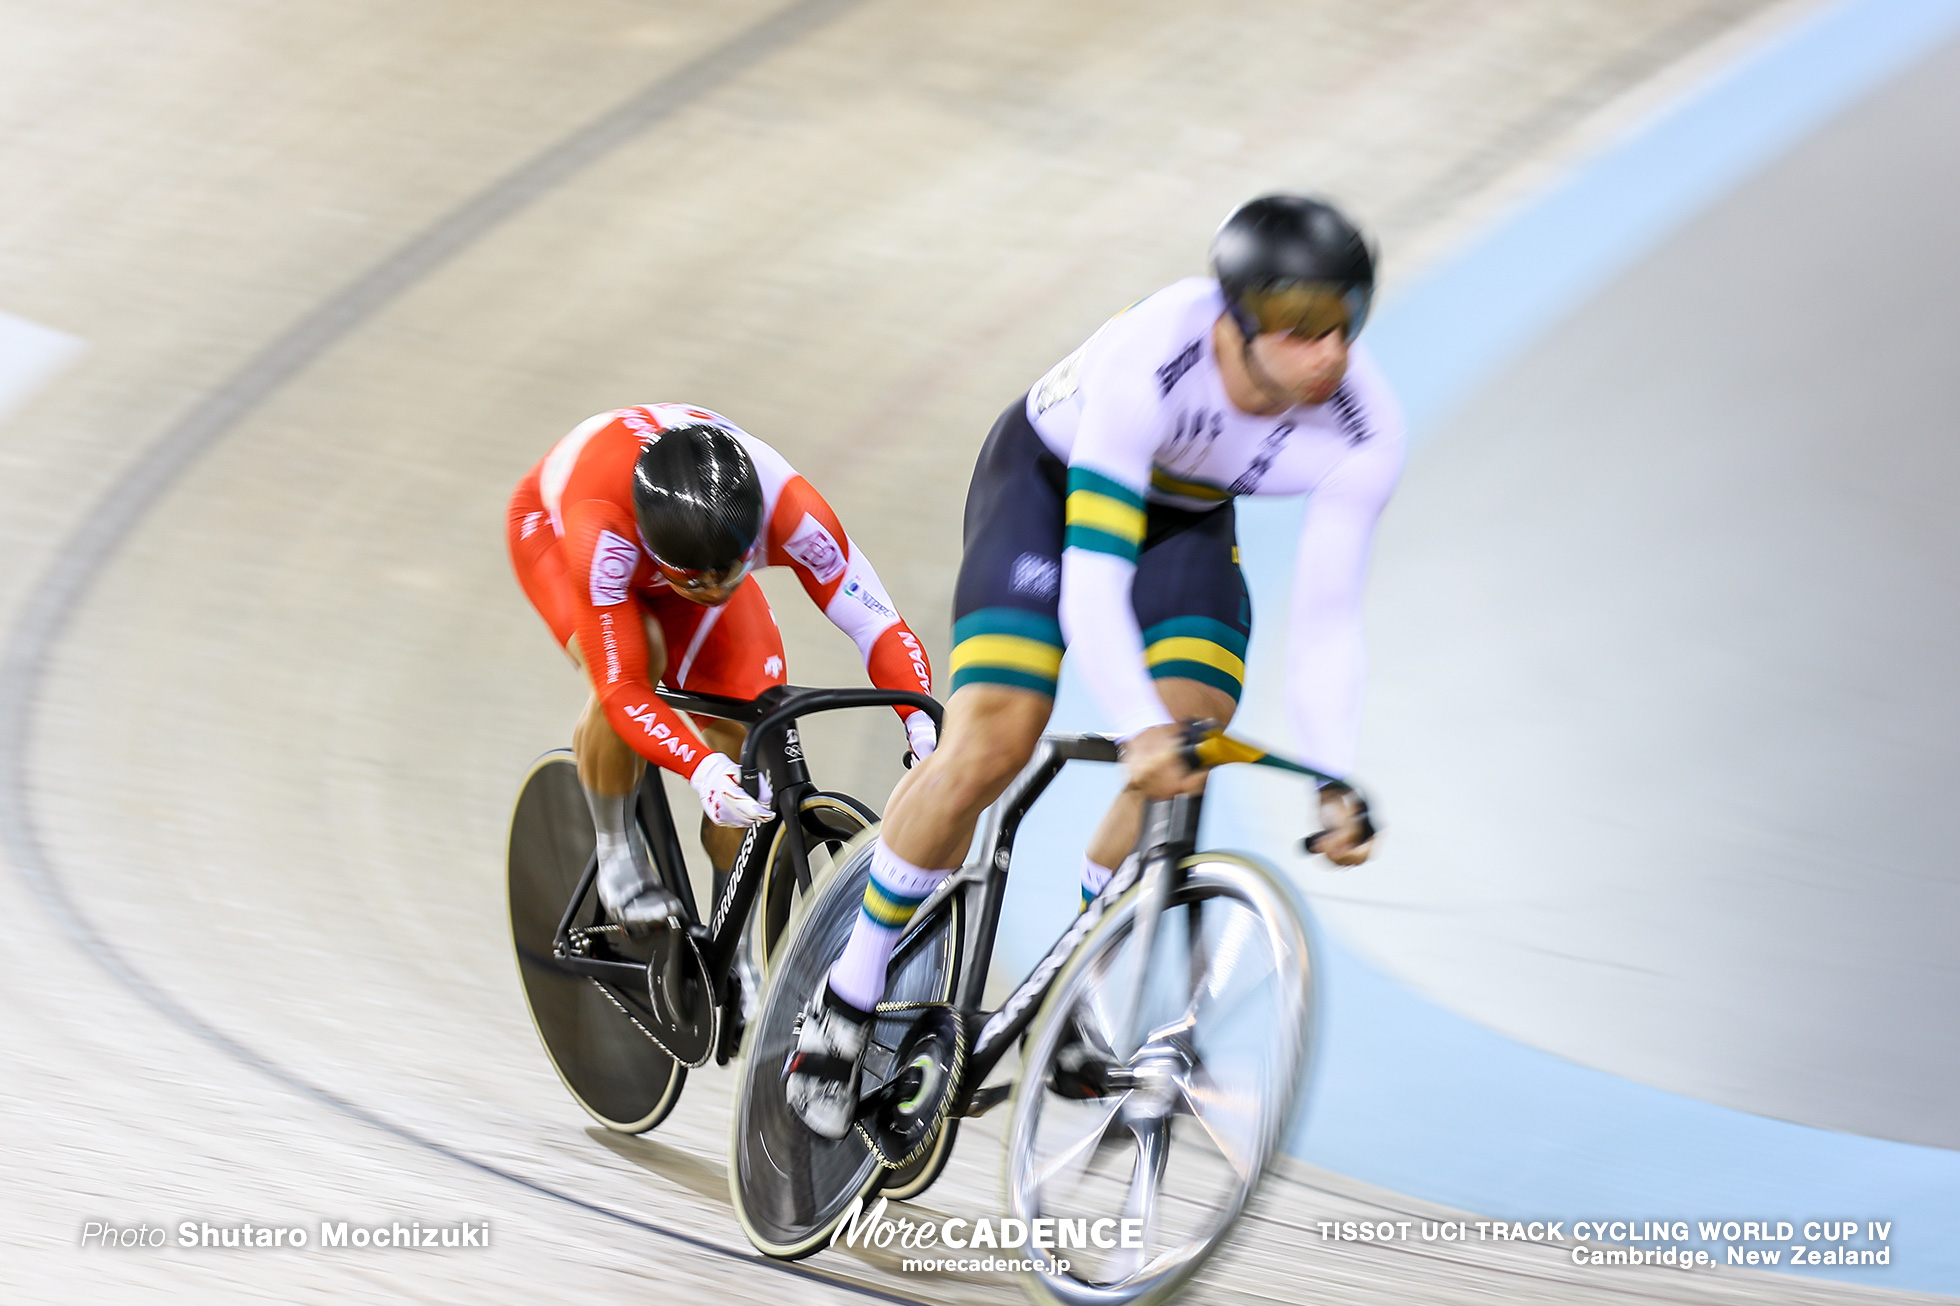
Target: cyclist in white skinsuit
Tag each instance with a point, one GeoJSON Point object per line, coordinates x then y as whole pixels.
{"type": "Point", "coordinates": [1100, 517]}
{"type": "Point", "coordinates": [1140, 416]}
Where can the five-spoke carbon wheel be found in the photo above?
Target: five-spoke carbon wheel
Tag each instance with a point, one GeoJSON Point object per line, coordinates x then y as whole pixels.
{"type": "Point", "coordinates": [1170, 1124]}
{"type": "Point", "coordinates": [791, 1187]}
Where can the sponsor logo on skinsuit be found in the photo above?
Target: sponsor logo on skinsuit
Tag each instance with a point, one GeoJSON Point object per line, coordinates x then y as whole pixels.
{"type": "Point", "coordinates": [1172, 372]}
{"type": "Point", "coordinates": [856, 590]}
{"type": "Point", "coordinates": [1035, 575]}
{"type": "Point", "coordinates": [613, 562]}
{"type": "Point", "coordinates": [813, 546]}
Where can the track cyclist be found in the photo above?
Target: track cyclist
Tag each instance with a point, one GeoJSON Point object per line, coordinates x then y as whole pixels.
{"type": "Point", "coordinates": [1100, 517]}
{"type": "Point", "coordinates": [634, 538]}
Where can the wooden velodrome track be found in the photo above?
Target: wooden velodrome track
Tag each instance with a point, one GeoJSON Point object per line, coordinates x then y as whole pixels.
{"type": "Point", "coordinates": [342, 272]}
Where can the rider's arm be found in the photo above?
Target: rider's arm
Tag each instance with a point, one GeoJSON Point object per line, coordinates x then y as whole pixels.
{"type": "Point", "coordinates": [600, 554]}
{"type": "Point", "coordinates": [1326, 655]}
{"type": "Point", "coordinates": [1109, 471]}
{"type": "Point", "coordinates": [806, 536]}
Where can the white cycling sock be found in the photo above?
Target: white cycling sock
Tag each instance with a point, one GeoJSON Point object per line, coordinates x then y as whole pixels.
{"type": "Point", "coordinates": [897, 888]}
{"type": "Point", "coordinates": [624, 867]}
{"type": "Point", "coordinates": [1094, 877]}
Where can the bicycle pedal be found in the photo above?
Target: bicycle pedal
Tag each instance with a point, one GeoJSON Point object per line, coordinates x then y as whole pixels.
{"type": "Point", "coordinates": [986, 1098]}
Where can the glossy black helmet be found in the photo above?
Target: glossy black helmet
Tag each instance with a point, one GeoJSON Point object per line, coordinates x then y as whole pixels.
{"type": "Point", "coordinates": [699, 501]}
{"type": "Point", "coordinates": [1289, 263]}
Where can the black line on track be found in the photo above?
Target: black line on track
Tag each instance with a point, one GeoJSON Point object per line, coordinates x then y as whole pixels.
{"type": "Point", "coordinates": [89, 548]}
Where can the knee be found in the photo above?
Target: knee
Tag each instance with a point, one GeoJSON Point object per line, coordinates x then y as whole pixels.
{"type": "Point", "coordinates": [593, 737]}
{"type": "Point", "coordinates": [592, 731]}
{"type": "Point", "coordinates": [973, 769]}
{"type": "Point", "coordinates": [1195, 700]}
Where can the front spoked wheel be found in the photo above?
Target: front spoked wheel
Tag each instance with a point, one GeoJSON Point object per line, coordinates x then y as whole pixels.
{"type": "Point", "coordinates": [790, 1186]}
{"type": "Point", "coordinates": [830, 821]}
{"type": "Point", "coordinates": [1175, 1136]}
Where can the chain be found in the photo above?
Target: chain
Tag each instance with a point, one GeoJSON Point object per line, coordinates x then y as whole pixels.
{"type": "Point", "coordinates": [955, 1073]}
{"type": "Point", "coordinates": [651, 1036]}
{"type": "Point", "coordinates": [579, 941]}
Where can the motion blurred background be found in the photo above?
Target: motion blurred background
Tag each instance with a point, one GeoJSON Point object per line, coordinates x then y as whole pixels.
{"type": "Point", "coordinates": [1661, 712]}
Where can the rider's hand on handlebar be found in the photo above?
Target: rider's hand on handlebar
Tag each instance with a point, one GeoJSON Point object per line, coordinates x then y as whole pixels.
{"type": "Point", "coordinates": [1155, 759]}
{"type": "Point", "coordinates": [719, 783]}
{"type": "Point", "coordinates": [921, 734]}
{"type": "Point", "coordinates": [1347, 836]}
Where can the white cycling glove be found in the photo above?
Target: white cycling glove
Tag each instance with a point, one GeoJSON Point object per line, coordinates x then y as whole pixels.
{"type": "Point", "coordinates": [919, 730]}
{"type": "Point", "coordinates": [719, 783]}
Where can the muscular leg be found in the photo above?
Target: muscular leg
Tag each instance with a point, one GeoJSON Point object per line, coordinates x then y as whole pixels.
{"type": "Point", "coordinates": [990, 734]}
{"type": "Point", "coordinates": [607, 764]}
{"type": "Point", "coordinates": [1116, 836]}
{"type": "Point", "coordinates": [991, 731]}
{"type": "Point", "coordinates": [609, 772]}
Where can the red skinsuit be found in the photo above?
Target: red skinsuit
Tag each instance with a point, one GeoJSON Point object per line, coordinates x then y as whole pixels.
{"type": "Point", "coordinates": [576, 547]}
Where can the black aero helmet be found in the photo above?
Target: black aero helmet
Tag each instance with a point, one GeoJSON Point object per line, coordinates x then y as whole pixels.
{"type": "Point", "coordinates": [1288, 263]}
{"type": "Point", "coordinates": [699, 502]}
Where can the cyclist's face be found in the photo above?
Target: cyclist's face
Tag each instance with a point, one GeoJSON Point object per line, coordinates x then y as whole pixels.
{"type": "Point", "coordinates": [706, 588]}
{"type": "Point", "coordinates": [1307, 371]}
{"type": "Point", "coordinates": [708, 596]}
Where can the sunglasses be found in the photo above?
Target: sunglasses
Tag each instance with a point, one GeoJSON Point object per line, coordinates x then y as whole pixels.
{"type": "Point", "coordinates": [706, 580]}
{"type": "Point", "coordinates": [1307, 309]}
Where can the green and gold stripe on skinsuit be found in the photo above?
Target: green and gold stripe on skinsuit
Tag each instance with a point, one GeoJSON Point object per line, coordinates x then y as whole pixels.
{"type": "Point", "coordinates": [1103, 516]}
{"type": "Point", "coordinates": [1204, 491]}
{"type": "Point", "coordinates": [1197, 648]}
{"type": "Point", "coordinates": [1007, 646]}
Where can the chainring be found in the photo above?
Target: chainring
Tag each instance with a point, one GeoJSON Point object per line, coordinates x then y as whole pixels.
{"type": "Point", "coordinates": [686, 1019]}
{"type": "Point", "coordinates": [925, 1082]}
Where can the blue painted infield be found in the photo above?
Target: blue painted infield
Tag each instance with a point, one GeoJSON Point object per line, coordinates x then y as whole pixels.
{"type": "Point", "coordinates": [1411, 1097]}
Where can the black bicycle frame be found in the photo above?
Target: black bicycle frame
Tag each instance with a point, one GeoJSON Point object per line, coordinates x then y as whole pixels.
{"type": "Point", "coordinates": [1170, 834]}
{"type": "Point", "coordinates": [773, 742]}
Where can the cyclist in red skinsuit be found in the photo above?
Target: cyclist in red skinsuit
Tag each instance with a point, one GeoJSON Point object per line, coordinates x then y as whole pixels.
{"type": "Point", "coordinates": [579, 543]}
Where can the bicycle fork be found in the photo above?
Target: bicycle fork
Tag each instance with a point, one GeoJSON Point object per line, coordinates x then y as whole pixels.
{"type": "Point", "coordinates": [1170, 832]}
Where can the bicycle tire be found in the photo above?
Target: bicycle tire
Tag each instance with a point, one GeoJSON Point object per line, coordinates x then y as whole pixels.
{"type": "Point", "coordinates": [1272, 1048]}
{"type": "Point", "coordinates": [842, 819]}
{"type": "Point", "coordinates": [606, 1059]}
{"type": "Point", "coordinates": [791, 1188]}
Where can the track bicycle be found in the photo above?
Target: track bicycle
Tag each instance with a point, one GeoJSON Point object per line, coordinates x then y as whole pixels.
{"type": "Point", "coordinates": [624, 1018]}
{"type": "Point", "coordinates": [1164, 1042]}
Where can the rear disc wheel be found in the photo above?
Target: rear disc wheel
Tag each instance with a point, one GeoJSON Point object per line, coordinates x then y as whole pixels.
{"type": "Point", "coordinates": [601, 1049]}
